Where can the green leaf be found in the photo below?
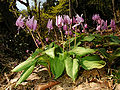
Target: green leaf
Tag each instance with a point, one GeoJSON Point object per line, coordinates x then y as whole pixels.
{"type": "Point", "coordinates": [117, 52]}
{"type": "Point", "coordinates": [31, 60]}
{"type": "Point", "coordinates": [103, 52]}
{"type": "Point", "coordinates": [81, 51]}
{"type": "Point", "coordinates": [72, 67]}
{"type": "Point", "coordinates": [88, 38]}
{"type": "Point", "coordinates": [25, 74]}
{"type": "Point", "coordinates": [115, 39]}
{"type": "Point", "coordinates": [57, 65]}
{"type": "Point", "coordinates": [113, 43]}
{"type": "Point", "coordinates": [24, 65]}
{"type": "Point", "coordinates": [51, 52]}
{"type": "Point", "coordinates": [90, 62]}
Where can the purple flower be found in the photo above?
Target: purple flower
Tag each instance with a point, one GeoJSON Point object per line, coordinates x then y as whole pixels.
{"type": "Point", "coordinates": [74, 20]}
{"type": "Point", "coordinates": [59, 21]}
{"type": "Point", "coordinates": [70, 32]}
{"type": "Point", "coordinates": [83, 30]}
{"type": "Point", "coordinates": [46, 39]}
{"type": "Point", "coordinates": [73, 27]}
{"type": "Point", "coordinates": [104, 27]}
{"type": "Point", "coordinates": [95, 17]}
{"type": "Point", "coordinates": [35, 25]}
{"type": "Point", "coordinates": [20, 22]}
{"type": "Point", "coordinates": [98, 27]}
{"type": "Point", "coordinates": [79, 19]}
{"type": "Point", "coordinates": [85, 25]}
{"type": "Point", "coordinates": [65, 27]}
{"type": "Point", "coordinates": [27, 51]}
{"type": "Point", "coordinates": [49, 24]}
{"type": "Point", "coordinates": [31, 23]}
{"type": "Point", "coordinates": [112, 24]}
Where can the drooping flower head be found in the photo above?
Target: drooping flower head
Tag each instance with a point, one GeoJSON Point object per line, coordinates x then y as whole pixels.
{"type": "Point", "coordinates": [112, 24]}
{"type": "Point", "coordinates": [67, 20]}
{"type": "Point", "coordinates": [31, 23]}
{"type": "Point", "coordinates": [59, 21]}
{"type": "Point", "coordinates": [65, 27]}
{"type": "Point", "coordinates": [104, 26]}
{"type": "Point", "coordinates": [49, 25]}
{"type": "Point", "coordinates": [46, 39]}
{"type": "Point", "coordinates": [95, 17]}
{"type": "Point", "coordinates": [74, 20]}
{"type": "Point", "coordinates": [20, 22]}
{"type": "Point", "coordinates": [79, 19]}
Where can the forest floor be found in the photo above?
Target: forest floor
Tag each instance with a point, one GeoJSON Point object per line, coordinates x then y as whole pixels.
{"type": "Point", "coordinates": [39, 80]}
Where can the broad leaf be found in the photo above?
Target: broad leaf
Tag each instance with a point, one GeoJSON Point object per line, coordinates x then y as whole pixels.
{"type": "Point", "coordinates": [90, 62]}
{"type": "Point", "coordinates": [51, 52]}
{"type": "Point", "coordinates": [81, 51]}
{"type": "Point", "coordinates": [31, 60]}
{"type": "Point", "coordinates": [72, 67]}
{"type": "Point", "coordinates": [57, 65]}
{"type": "Point", "coordinates": [25, 74]}
{"type": "Point", "coordinates": [88, 38]}
{"type": "Point", "coordinates": [24, 65]}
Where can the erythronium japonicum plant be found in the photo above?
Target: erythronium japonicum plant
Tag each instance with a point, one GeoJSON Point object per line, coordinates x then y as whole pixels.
{"type": "Point", "coordinates": [67, 58]}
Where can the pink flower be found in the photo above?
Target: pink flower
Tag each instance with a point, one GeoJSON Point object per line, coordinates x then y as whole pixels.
{"type": "Point", "coordinates": [70, 32]}
{"type": "Point", "coordinates": [59, 21]}
{"type": "Point", "coordinates": [20, 22]}
{"type": "Point", "coordinates": [79, 19]}
{"type": "Point", "coordinates": [46, 39]}
{"type": "Point", "coordinates": [85, 25]}
{"type": "Point", "coordinates": [27, 51]}
{"type": "Point", "coordinates": [98, 27]}
{"type": "Point", "coordinates": [83, 30]}
{"type": "Point", "coordinates": [104, 27]}
{"type": "Point", "coordinates": [112, 24]}
{"type": "Point", "coordinates": [49, 24]}
{"type": "Point", "coordinates": [95, 17]}
{"type": "Point", "coordinates": [74, 20]}
{"type": "Point", "coordinates": [67, 20]}
{"type": "Point", "coordinates": [35, 25]}
{"type": "Point", "coordinates": [31, 23]}
{"type": "Point", "coordinates": [65, 27]}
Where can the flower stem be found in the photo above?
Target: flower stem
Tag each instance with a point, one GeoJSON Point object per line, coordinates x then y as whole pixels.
{"type": "Point", "coordinates": [69, 37]}
{"type": "Point", "coordinates": [40, 39]}
{"type": "Point", "coordinates": [56, 35]}
{"type": "Point", "coordinates": [62, 40]}
{"type": "Point", "coordinates": [75, 38]}
{"type": "Point", "coordinates": [33, 38]}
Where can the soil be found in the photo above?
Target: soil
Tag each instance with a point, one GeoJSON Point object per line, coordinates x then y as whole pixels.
{"type": "Point", "coordinates": [39, 79]}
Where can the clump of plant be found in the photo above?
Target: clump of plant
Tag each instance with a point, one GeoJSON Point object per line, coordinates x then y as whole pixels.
{"type": "Point", "coordinates": [67, 53]}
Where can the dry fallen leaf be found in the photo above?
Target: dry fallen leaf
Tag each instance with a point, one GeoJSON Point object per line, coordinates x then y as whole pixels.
{"type": "Point", "coordinates": [46, 85]}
